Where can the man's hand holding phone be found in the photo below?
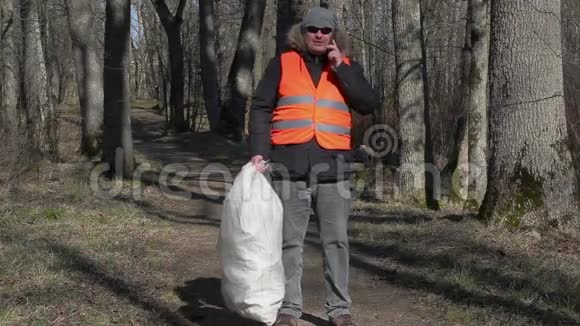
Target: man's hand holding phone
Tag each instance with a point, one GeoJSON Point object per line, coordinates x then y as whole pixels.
{"type": "Point", "coordinates": [334, 55]}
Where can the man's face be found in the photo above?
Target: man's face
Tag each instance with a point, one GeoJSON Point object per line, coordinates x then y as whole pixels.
{"type": "Point", "coordinates": [317, 39]}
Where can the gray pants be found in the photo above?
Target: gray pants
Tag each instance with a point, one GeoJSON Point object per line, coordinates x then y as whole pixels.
{"type": "Point", "coordinates": [331, 203]}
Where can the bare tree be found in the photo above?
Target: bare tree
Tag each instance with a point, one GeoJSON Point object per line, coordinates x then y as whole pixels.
{"type": "Point", "coordinates": [9, 62]}
{"type": "Point", "coordinates": [470, 177]}
{"type": "Point", "coordinates": [117, 138]}
{"type": "Point", "coordinates": [432, 173]}
{"type": "Point", "coordinates": [268, 49]}
{"type": "Point", "coordinates": [192, 57]}
{"type": "Point", "coordinates": [444, 38]}
{"type": "Point", "coordinates": [158, 75]}
{"type": "Point", "coordinates": [150, 29]}
{"type": "Point", "coordinates": [172, 26]}
{"type": "Point", "coordinates": [50, 33]}
{"type": "Point", "coordinates": [531, 177]}
{"type": "Point", "coordinates": [410, 96]}
{"type": "Point", "coordinates": [477, 101]}
{"type": "Point", "coordinates": [240, 79]}
{"type": "Point", "coordinates": [89, 74]}
{"type": "Point", "coordinates": [138, 50]}
{"type": "Point", "coordinates": [209, 64]}
{"type": "Point", "coordinates": [40, 113]}
{"type": "Point", "coordinates": [290, 12]}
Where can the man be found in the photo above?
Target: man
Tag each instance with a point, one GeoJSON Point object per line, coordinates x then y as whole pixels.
{"type": "Point", "coordinates": [300, 121]}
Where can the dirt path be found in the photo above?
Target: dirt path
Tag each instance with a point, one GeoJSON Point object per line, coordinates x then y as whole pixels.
{"type": "Point", "coordinates": [196, 218]}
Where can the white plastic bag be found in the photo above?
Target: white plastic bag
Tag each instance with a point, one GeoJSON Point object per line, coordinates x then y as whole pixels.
{"type": "Point", "coordinates": [250, 248]}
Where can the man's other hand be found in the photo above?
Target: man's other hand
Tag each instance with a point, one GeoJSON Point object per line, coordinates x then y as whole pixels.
{"type": "Point", "coordinates": [259, 163]}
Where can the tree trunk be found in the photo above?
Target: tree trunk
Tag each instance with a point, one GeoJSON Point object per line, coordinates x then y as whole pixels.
{"type": "Point", "coordinates": [53, 81]}
{"type": "Point", "coordinates": [50, 41]}
{"type": "Point", "coordinates": [268, 49]}
{"type": "Point", "coordinates": [209, 64]}
{"type": "Point", "coordinates": [444, 37]}
{"type": "Point", "coordinates": [137, 52]}
{"type": "Point", "coordinates": [117, 138]}
{"type": "Point", "coordinates": [164, 76]}
{"type": "Point", "coordinates": [9, 62]}
{"type": "Point", "coordinates": [571, 56]}
{"type": "Point", "coordinates": [240, 82]}
{"type": "Point", "coordinates": [135, 76]}
{"type": "Point", "coordinates": [344, 11]}
{"type": "Point", "coordinates": [460, 158]}
{"type": "Point", "coordinates": [172, 26]}
{"type": "Point", "coordinates": [364, 57]}
{"type": "Point", "coordinates": [89, 75]}
{"type": "Point", "coordinates": [531, 178]}
{"type": "Point", "coordinates": [410, 97]}
{"type": "Point", "coordinates": [477, 102]}
{"type": "Point", "coordinates": [290, 12]}
{"type": "Point", "coordinates": [176, 66]}
{"type": "Point", "coordinates": [40, 113]}
{"type": "Point", "coordinates": [150, 63]}
{"type": "Point", "coordinates": [432, 173]}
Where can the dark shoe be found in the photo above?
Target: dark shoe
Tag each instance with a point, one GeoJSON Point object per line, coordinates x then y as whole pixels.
{"type": "Point", "coordinates": [342, 320]}
{"type": "Point", "coordinates": [286, 320]}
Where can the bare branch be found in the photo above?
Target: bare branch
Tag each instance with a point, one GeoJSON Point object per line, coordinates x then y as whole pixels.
{"type": "Point", "coordinates": [371, 44]}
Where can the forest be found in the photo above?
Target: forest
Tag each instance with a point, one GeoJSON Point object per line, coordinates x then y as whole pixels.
{"type": "Point", "coordinates": [468, 190]}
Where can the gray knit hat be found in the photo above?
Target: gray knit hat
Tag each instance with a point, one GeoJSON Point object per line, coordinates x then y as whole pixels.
{"type": "Point", "coordinates": [320, 17]}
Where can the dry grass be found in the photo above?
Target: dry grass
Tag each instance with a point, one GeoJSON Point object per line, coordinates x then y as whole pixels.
{"type": "Point", "coordinates": [69, 135]}
{"type": "Point", "coordinates": [64, 261]}
{"type": "Point", "coordinates": [68, 257]}
{"type": "Point", "coordinates": [19, 162]}
{"type": "Point", "coordinates": [484, 275]}
{"type": "Point", "coordinates": [11, 165]}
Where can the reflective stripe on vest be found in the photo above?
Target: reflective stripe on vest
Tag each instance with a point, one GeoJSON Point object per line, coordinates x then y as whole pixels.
{"type": "Point", "coordinates": [304, 111]}
{"type": "Point", "coordinates": [293, 124]}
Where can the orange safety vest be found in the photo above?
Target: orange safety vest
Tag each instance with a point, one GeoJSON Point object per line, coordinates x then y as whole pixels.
{"type": "Point", "coordinates": [305, 111]}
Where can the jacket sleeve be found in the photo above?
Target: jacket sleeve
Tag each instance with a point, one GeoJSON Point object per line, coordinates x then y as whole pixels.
{"type": "Point", "coordinates": [263, 105]}
{"type": "Point", "coordinates": [360, 95]}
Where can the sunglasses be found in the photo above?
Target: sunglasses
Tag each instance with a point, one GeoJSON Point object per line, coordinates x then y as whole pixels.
{"type": "Point", "coordinates": [323, 30]}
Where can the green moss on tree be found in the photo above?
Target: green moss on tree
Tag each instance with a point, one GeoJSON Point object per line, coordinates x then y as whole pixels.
{"type": "Point", "coordinates": [527, 197]}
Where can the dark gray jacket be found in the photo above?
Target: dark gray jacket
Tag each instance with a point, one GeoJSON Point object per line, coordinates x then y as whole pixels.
{"type": "Point", "coordinates": [300, 159]}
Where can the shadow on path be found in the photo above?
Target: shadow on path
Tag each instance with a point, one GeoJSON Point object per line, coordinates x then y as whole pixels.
{"type": "Point", "coordinates": [205, 305]}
